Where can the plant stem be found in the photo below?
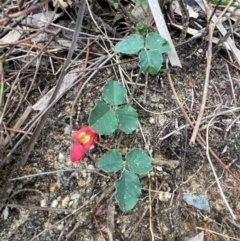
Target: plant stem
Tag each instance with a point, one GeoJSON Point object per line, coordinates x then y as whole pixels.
{"type": "Point", "coordinates": [1, 84]}
{"type": "Point", "coordinates": [223, 3]}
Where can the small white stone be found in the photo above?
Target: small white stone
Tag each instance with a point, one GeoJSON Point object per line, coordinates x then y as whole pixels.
{"type": "Point", "coordinates": [236, 13]}
{"type": "Point", "coordinates": [238, 206]}
{"type": "Point", "coordinates": [164, 196]}
{"type": "Point", "coordinates": [91, 167]}
{"type": "Point", "coordinates": [75, 203]}
{"type": "Point", "coordinates": [43, 203]}
{"type": "Point", "coordinates": [65, 201]}
{"type": "Point", "coordinates": [228, 14]}
{"type": "Point", "coordinates": [84, 174]}
{"type": "Point", "coordinates": [160, 106]}
{"type": "Point", "coordinates": [67, 130]}
{"type": "Point", "coordinates": [5, 213]}
{"type": "Point", "coordinates": [231, 9]}
{"type": "Point", "coordinates": [54, 203]}
{"type": "Point", "coordinates": [151, 120]}
{"type": "Point", "coordinates": [60, 156]}
{"type": "Point", "coordinates": [75, 196]}
{"type": "Point", "coordinates": [146, 146]}
{"type": "Point", "coordinates": [124, 151]}
{"type": "Point", "coordinates": [155, 98]}
{"type": "Point", "coordinates": [200, 51]}
{"type": "Point", "coordinates": [70, 203]}
{"type": "Point", "coordinates": [159, 168]}
{"type": "Point", "coordinates": [60, 226]}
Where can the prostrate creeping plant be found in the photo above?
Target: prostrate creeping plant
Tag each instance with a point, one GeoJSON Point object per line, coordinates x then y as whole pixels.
{"type": "Point", "coordinates": [111, 113]}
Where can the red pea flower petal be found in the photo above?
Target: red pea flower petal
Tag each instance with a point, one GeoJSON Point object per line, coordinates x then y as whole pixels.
{"type": "Point", "coordinates": [100, 210]}
{"type": "Point", "coordinates": [85, 136]}
{"type": "Point", "coordinates": [75, 134]}
{"type": "Point", "coordinates": [76, 152]}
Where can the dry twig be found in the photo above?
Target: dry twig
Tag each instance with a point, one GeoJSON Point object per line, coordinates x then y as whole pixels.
{"type": "Point", "coordinates": [145, 211]}
{"type": "Point", "coordinates": [201, 140]}
{"type": "Point", "coordinates": [205, 143]}
{"type": "Point", "coordinates": [206, 83]}
{"type": "Point", "coordinates": [38, 129]}
{"type": "Point", "coordinates": [214, 173]}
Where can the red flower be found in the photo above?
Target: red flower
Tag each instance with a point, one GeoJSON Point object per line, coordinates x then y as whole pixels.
{"type": "Point", "coordinates": [100, 210]}
{"type": "Point", "coordinates": [83, 139]}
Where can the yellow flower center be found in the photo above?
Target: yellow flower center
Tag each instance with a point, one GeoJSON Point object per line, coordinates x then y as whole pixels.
{"type": "Point", "coordinates": [83, 138]}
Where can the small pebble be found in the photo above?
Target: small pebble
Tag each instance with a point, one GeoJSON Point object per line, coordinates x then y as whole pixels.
{"type": "Point", "coordinates": [70, 203]}
{"type": "Point", "coordinates": [84, 174]}
{"type": "Point", "coordinates": [60, 226]}
{"type": "Point", "coordinates": [152, 173]}
{"type": "Point", "coordinates": [236, 13]}
{"type": "Point", "coordinates": [81, 183]}
{"type": "Point", "coordinates": [90, 167]}
{"type": "Point", "coordinates": [231, 9]}
{"type": "Point", "coordinates": [43, 203]}
{"type": "Point", "coordinates": [200, 51]}
{"type": "Point", "coordinates": [75, 203]}
{"type": "Point", "coordinates": [159, 168]}
{"type": "Point", "coordinates": [198, 201]}
{"type": "Point", "coordinates": [155, 98]}
{"type": "Point", "coordinates": [65, 201]}
{"type": "Point", "coordinates": [60, 157]}
{"type": "Point", "coordinates": [75, 196]}
{"type": "Point", "coordinates": [164, 196]}
{"type": "Point", "coordinates": [67, 130]}
{"type": "Point", "coordinates": [238, 206]}
{"type": "Point", "coordinates": [160, 106]}
{"type": "Point", "coordinates": [5, 213]}
{"type": "Point", "coordinates": [28, 169]}
{"type": "Point", "coordinates": [151, 120]}
{"type": "Point", "coordinates": [54, 203]}
{"type": "Point", "coordinates": [52, 187]}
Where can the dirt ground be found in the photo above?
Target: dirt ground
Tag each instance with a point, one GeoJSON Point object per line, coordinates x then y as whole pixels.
{"type": "Point", "coordinates": [50, 198]}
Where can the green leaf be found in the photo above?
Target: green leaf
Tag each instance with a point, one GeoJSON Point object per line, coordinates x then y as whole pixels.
{"type": "Point", "coordinates": [130, 45]}
{"type": "Point", "coordinates": [111, 161]}
{"type": "Point", "coordinates": [101, 119]}
{"type": "Point", "coordinates": [138, 162]}
{"type": "Point", "coordinates": [145, 2]}
{"type": "Point", "coordinates": [138, 3]}
{"type": "Point", "coordinates": [115, 5]}
{"type": "Point", "coordinates": [128, 190]}
{"type": "Point", "coordinates": [140, 26]}
{"type": "Point", "coordinates": [127, 119]}
{"type": "Point", "coordinates": [114, 92]}
{"type": "Point", "coordinates": [141, 29]}
{"type": "Point", "coordinates": [156, 42]}
{"type": "Point", "coordinates": [150, 61]}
